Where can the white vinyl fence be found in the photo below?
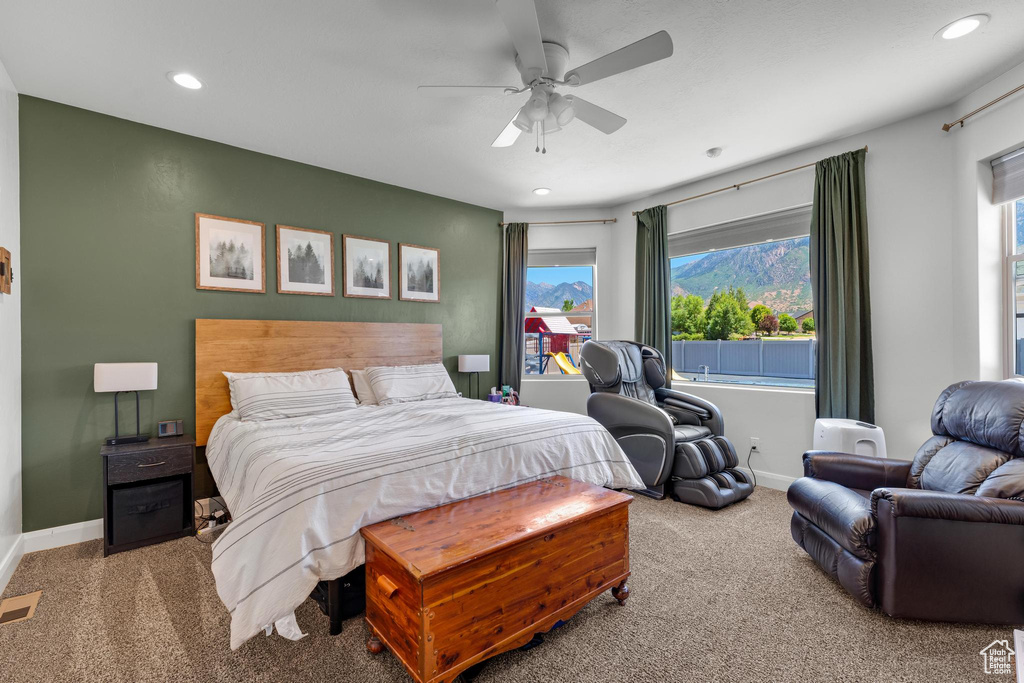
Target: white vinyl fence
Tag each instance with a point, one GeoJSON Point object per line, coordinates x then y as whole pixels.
{"type": "Point", "coordinates": [755, 357]}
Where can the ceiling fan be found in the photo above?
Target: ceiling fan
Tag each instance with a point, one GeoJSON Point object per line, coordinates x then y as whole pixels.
{"type": "Point", "coordinates": [542, 65]}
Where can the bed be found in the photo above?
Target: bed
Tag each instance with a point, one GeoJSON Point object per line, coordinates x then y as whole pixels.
{"type": "Point", "coordinates": [299, 489]}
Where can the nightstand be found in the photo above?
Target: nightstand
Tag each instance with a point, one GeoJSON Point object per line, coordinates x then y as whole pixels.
{"type": "Point", "coordinates": [147, 492]}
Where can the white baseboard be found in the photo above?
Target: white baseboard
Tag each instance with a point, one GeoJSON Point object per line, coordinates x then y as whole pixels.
{"type": "Point", "coordinates": [771, 480]}
{"type": "Point", "coordinates": [10, 561]}
{"type": "Point", "coordinates": [55, 537]}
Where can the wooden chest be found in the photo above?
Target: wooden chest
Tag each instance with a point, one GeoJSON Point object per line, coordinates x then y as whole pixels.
{"type": "Point", "coordinates": [449, 587]}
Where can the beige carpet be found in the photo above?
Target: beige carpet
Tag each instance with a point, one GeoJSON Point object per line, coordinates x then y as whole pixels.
{"type": "Point", "coordinates": [716, 596]}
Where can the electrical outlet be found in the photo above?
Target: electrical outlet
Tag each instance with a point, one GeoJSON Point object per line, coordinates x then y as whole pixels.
{"type": "Point", "coordinates": [755, 443]}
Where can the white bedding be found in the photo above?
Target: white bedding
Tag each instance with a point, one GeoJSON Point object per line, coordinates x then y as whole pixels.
{"type": "Point", "coordinates": [299, 489]}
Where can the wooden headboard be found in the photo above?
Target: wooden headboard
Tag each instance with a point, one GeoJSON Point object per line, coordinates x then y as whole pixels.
{"type": "Point", "coordinates": [293, 346]}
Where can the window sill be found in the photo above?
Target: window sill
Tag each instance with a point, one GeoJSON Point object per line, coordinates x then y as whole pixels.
{"type": "Point", "coordinates": [762, 388]}
{"type": "Point", "coordinates": [554, 378]}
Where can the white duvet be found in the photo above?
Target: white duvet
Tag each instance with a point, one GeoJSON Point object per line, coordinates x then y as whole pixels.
{"type": "Point", "coordinates": [300, 489]}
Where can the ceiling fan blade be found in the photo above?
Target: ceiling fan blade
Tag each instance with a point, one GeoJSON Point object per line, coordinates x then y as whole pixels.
{"type": "Point", "coordinates": [520, 18]}
{"type": "Point", "coordinates": [650, 49]}
{"type": "Point", "coordinates": [463, 90]}
{"type": "Point", "coordinates": [596, 116]}
{"type": "Point", "coordinates": [508, 136]}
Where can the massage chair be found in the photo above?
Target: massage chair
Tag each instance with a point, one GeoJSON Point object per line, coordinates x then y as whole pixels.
{"type": "Point", "coordinates": [674, 440]}
{"type": "Point", "coordinates": [940, 537]}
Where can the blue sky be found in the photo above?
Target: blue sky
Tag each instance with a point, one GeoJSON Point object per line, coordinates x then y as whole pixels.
{"type": "Point", "coordinates": [558, 274]}
{"type": "Point", "coordinates": [681, 260]}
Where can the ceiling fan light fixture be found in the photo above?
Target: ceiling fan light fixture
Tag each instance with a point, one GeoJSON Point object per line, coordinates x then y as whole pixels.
{"type": "Point", "coordinates": [562, 109]}
{"type": "Point", "coordinates": [522, 121]}
{"type": "Point", "coordinates": [550, 124]}
{"type": "Point", "coordinates": [537, 106]}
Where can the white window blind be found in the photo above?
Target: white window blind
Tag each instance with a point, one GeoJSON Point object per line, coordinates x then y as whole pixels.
{"type": "Point", "coordinates": [1008, 177]}
{"type": "Point", "coordinates": [777, 225]}
{"type": "Point", "coordinates": [562, 257]}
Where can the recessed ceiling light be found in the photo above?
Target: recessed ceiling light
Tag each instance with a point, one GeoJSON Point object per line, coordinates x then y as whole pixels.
{"type": "Point", "coordinates": [961, 27]}
{"type": "Point", "coordinates": [186, 80]}
{"type": "Point", "coordinates": [542, 191]}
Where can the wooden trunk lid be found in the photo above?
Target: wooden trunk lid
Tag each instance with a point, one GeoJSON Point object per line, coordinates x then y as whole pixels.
{"type": "Point", "coordinates": [436, 540]}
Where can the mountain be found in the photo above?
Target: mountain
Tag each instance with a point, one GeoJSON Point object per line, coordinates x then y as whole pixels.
{"type": "Point", "coordinates": [776, 274]}
{"type": "Point", "coordinates": [552, 296]}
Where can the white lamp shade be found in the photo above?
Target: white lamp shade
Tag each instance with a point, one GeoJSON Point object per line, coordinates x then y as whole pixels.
{"type": "Point", "coordinates": [124, 377]}
{"type": "Point", "coordinates": [480, 363]}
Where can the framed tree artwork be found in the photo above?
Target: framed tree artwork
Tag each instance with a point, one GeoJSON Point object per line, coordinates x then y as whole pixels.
{"type": "Point", "coordinates": [231, 254]}
{"type": "Point", "coordinates": [419, 273]}
{"type": "Point", "coordinates": [305, 261]}
{"type": "Point", "coordinates": [367, 267]}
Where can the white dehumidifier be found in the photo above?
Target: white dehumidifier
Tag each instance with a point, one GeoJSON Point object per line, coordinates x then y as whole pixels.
{"type": "Point", "coordinates": [848, 436]}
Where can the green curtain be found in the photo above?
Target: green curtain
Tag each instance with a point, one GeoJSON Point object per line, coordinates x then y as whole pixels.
{"type": "Point", "coordinates": [653, 313]}
{"type": "Point", "coordinates": [844, 385]}
{"type": "Point", "coordinates": [513, 300]}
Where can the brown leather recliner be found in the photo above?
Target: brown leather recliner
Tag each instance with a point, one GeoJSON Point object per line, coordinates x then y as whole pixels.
{"type": "Point", "coordinates": [938, 538]}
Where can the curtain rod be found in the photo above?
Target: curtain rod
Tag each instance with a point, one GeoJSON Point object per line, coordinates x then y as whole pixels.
{"type": "Point", "coordinates": [593, 220]}
{"type": "Point", "coordinates": [947, 126]}
{"type": "Point", "coordinates": [745, 182]}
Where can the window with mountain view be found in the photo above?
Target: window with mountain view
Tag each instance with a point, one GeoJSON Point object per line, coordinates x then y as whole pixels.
{"type": "Point", "coordinates": [744, 315]}
{"type": "Point", "coordinates": [560, 314]}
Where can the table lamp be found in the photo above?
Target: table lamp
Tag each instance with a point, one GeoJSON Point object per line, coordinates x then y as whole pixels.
{"type": "Point", "coordinates": [124, 377]}
{"type": "Point", "coordinates": [474, 364]}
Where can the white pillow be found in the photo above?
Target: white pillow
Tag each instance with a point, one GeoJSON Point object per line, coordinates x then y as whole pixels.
{"type": "Point", "coordinates": [406, 383]}
{"type": "Point", "coordinates": [364, 392]}
{"type": "Point", "coordinates": [273, 395]}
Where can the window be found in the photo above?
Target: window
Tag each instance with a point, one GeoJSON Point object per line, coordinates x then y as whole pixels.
{"type": "Point", "coordinates": [1008, 190]}
{"type": "Point", "coordinates": [1015, 278]}
{"type": "Point", "coordinates": [741, 302]}
{"type": "Point", "coordinates": [560, 310]}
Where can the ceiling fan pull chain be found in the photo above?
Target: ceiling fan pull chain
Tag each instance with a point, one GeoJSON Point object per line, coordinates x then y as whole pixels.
{"type": "Point", "coordinates": [544, 137]}
{"type": "Point", "coordinates": [537, 135]}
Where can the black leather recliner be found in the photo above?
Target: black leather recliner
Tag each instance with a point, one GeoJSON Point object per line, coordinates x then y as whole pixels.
{"type": "Point", "coordinates": [673, 439]}
{"type": "Point", "coordinates": [939, 538]}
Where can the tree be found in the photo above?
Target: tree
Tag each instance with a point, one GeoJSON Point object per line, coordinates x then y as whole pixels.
{"type": "Point", "coordinates": [726, 318]}
{"type": "Point", "coordinates": [740, 296]}
{"type": "Point", "coordinates": [758, 313]}
{"type": "Point", "coordinates": [568, 304]}
{"type": "Point", "coordinates": [769, 325]}
{"type": "Point", "coordinates": [807, 325]}
{"type": "Point", "coordinates": [688, 316]}
{"type": "Point", "coordinates": [787, 323]}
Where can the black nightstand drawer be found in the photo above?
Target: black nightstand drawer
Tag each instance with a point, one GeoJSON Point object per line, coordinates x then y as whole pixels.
{"type": "Point", "coordinates": [161, 462]}
{"type": "Point", "coordinates": [147, 510]}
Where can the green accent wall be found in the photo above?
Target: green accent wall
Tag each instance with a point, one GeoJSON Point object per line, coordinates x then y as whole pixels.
{"type": "Point", "coordinates": [107, 274]}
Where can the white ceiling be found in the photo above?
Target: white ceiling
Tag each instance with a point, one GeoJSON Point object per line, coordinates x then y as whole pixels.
{"type": "Point", "coordinates": [334, 83]}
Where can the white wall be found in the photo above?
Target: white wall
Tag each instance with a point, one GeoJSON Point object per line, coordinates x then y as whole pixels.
{"type": "Point", "coordinates": [10, 337]}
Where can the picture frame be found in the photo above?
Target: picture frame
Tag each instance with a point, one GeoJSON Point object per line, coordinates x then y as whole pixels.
{"type": "Point", "coordinates": [226, 258]}
{"type": "Point", "coordinates": [367, 262]}
{"type": "Point", "coordinates": [419, 271]}
{"type": "Point", "coordinates": [305, 261]}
